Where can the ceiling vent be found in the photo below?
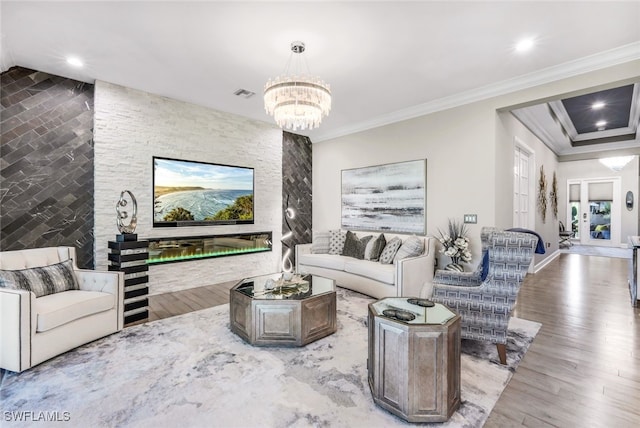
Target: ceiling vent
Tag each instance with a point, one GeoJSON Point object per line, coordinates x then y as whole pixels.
{"type": "Point", "coordinates": [244, 93]}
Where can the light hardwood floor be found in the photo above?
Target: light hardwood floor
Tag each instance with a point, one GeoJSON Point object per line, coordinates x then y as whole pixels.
{"type": "Point", "coordinates": [582, 369]}
{"type": "Point", "coordinates": [193, 299]}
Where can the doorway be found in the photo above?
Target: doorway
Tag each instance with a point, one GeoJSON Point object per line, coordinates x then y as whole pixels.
{"type": "Point", "coordinates": [593, 210]}
{"type": "Point", "coordinates": [523, 185]}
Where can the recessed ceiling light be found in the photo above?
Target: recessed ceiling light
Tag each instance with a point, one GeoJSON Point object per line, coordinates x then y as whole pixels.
{"type": "Point", "coordinates": [74, 61]}
{"type": "Point", "coordinates": [597, 105]}
{"type": "Point", "coordinates": [616, 163]}
{"type": "Point", "coordinates": [601, 123]}
{"type": "Point", "coordinates": [525, 45]}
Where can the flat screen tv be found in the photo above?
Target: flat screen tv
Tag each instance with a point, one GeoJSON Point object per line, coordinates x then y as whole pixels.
{"type": "Point", "coordinates": [192, 193]}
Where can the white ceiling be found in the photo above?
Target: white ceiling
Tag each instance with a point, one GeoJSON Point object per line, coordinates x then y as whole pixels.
{"type": "Point", "coordinates": [385, 61]}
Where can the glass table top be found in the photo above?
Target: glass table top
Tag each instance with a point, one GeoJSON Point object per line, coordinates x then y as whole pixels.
{"type": "Point", "coordinates": [437, 314]}
{"type": "Point", "coordinates": [274, 286]}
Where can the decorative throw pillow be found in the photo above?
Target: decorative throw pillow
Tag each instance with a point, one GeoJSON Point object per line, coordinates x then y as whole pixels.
{"type": "Point", "coordinates": [41, 280]}
{"type": "Point", "coordinates": [354, 246]}
{"type": "Point", "coordinates": [411, 247]}
{"type": "Point", "coordinates": [390, 250]}
{"type": "Point", "coordinates": [374, 248]}
{"type": "Point", "coordinates": [336, 241]}
{"type": "Point", "coordinates": [320, 242]}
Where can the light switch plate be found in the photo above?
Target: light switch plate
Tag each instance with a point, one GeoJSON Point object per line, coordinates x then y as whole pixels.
{"type": "Point", "coordinates": [471, 218]}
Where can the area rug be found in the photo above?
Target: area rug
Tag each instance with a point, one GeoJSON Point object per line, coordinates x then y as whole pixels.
{"type": "Point", "coordinates": [589, 250]}
{"type": "Point", "coordinates": [191, 371]}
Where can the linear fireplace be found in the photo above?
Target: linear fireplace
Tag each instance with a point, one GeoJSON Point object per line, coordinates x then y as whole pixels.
{"type": "Point", "coordinates": [180, 249]}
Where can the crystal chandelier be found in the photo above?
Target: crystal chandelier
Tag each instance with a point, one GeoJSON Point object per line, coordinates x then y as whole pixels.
{"type": "Point", "coordinates": [297, 101]}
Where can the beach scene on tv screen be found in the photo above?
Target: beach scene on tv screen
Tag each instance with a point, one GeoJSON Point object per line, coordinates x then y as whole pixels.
{"type": "Point", "coordinates": [192, 191]}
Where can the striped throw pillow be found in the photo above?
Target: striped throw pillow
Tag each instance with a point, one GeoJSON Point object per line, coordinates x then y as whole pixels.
{"type": "Point", "coordinates": [320, 242]}
{"type": "Point", "coordinates": [41, 280]}
{"type": "Point", "coordinates": [374, 248]}
{"type": "Point", "coordinates": [411, 247]}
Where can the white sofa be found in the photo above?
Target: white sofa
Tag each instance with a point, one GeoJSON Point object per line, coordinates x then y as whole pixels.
{"type": "Point", "coordinates": [404, 277]}
{"type": "Point", "coordinates": [34, 329]}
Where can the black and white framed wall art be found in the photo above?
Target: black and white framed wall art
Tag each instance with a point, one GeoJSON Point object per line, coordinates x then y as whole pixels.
{"type": "Point", "coordinates": [385, 198]}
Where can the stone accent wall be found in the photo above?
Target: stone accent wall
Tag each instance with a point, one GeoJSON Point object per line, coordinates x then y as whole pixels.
{"type": "Point", "coordinates": [133, 126]}
{"type": "Point", "coordinates": [297, 156]}
{"type": "Point", "coordinates": [46, 160]}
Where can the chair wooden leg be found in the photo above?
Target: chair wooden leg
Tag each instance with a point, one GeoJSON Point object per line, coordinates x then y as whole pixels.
{"type": "Point", "coordinates": [502, 353]}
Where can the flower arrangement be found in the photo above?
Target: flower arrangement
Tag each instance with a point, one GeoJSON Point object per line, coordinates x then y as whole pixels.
{"type": "Point", "coordinates": [455, 244]}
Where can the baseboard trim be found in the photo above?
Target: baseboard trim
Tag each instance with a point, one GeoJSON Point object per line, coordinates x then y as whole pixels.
{"type": "Point", "coordinates": [538, 267]}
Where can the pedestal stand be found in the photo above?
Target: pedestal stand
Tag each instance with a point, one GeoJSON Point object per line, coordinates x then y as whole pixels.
{"type": "Point", "coordinates": [128, 255]}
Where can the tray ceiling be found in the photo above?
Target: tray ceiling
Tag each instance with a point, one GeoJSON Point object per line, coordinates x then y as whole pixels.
{"type": "Point", "coordinates": [600, 121]}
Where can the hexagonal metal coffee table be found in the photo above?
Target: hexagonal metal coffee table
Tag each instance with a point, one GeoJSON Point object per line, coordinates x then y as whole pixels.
{"type": "Point", "coordinates": [293, 313]}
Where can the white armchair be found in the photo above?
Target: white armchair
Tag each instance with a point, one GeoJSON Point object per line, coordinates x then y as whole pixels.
{"type": "Point", "coordinates": [35, 329]}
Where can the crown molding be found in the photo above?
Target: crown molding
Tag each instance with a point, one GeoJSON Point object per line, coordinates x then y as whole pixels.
{"type": "Point", "coordinates": [551, 134]}
{"type": "Point", "coordinates": [620, 55]}
{"type": "Point", "coordinates": [629, 149]}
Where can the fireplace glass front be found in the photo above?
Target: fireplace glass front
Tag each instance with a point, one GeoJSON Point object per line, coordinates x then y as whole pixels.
{"type": "Point", "coordinates": [178, 249]}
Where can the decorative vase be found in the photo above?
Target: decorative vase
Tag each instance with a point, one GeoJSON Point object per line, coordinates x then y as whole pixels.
{"type": "Point", "coordinates": [454, 265]}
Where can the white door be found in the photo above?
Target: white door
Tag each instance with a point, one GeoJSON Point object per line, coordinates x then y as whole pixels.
{"type": "Point", "coordinates": [522, 186]}
{"type": "Point", "coordinates": [598, 211]}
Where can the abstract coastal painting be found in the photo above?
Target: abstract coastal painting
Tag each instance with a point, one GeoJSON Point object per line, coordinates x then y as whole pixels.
{"type": "Point", "coordinates": [385, 198]}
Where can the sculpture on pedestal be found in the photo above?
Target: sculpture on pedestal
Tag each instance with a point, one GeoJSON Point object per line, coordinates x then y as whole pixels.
{"type": "Point", "coordinates": [123, 215]}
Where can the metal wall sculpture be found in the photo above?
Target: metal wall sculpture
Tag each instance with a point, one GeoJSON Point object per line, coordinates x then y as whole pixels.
{"type": "Point", "coordinates": [542, 195]}
{"type": "Point", "coordinates": [553, 196]}
{"type": "Point", "coordinates": [287, 262]}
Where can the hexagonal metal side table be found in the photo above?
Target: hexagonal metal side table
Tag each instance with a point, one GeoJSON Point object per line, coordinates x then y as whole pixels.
{"type": "Point", "coordinates": [414, 365]}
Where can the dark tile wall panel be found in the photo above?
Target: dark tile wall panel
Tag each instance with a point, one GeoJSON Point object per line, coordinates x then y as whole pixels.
{"type": "Point", "coordinates": [296, 186]}
{"type": "Point", "coordinates": [46, 163]}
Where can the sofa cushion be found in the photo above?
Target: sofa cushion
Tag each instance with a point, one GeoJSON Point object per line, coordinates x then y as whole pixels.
{"type": "Point", "coordinates": [411, 247]}
{"type": "Point", "coordinates": [354, 246]}
{"type": "Point", "coordinates": [41, 281]}
{"type": "Point", "coordinates": [374, 248]}
{"type": "Point", "coordinates": [328, 261]}
{"type": "Point", "coordinates": [380, 272]}
{"type": "Point", "coordinates": [390, 250]}
{"type": "Point", "coordinates": [336, 241]}
{"type": "Point", "coordinates": [57, 309]}
{"type": "Point", "coordinates": [320, 242]}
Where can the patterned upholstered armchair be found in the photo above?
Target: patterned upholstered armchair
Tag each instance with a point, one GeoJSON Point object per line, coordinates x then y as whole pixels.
{"type": "Point", "coordinates": [485, 306]}
{"type": "Point", "coordinates": [473, 278]}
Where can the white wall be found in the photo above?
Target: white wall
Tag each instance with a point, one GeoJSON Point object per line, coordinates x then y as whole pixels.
{"type": "Point", "coordinates": [132, 126]}
{"type": "Point", "coordinates": [469, 156]}
{"type": "Point", "coordinates": [6, 58]}
{"type": "Point", "coordinates": [455, 164]}
{"type": "Point", "coordinates": [594, 169]}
